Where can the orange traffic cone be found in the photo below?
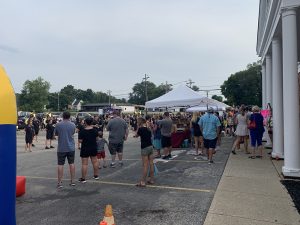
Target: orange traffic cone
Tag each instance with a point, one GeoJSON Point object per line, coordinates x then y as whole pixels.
{"type": "Point", "coordinates": [108, 216]}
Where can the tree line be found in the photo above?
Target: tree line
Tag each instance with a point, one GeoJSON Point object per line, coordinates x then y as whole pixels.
{"type": "Point", "coordinates": [243, 87]}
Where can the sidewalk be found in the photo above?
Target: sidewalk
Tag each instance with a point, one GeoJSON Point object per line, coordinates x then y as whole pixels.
{"type": "Point", "coordinates": [250, 193]}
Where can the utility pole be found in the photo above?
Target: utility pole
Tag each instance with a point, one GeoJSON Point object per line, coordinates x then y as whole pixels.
{"type": "Point", "coordinates": [166, 87]}
{"type": "Point", "coordinates": [189, 83]}
{"type": "Point", "coordinates": [109, 94]}
{"type": "Point", "coordinates": [146, 88]}
{"type": "Point", "coordinates": [146, 91]}
{"type": "Point", "coordinates": [58, 101]}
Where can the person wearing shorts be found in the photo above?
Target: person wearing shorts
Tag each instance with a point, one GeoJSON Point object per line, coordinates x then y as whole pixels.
{"type": "Point", "coordinates": [88, 139]}
{"type": "Point", "coordinates": [256, 133]}
{"type": "Point", "coordinates": [197, 134]}
{"type": "Point", "coordinates": [49, 134]}
{"type": "Point", "coordinates": [146, 152]}
{"type": "Point", "coordinates": [29, 134]}
{"type": "Point", "coordinates": [118, 133]}
{"type": "Point", "coordinates": [166, 131]}
{"type": "Point", "coordinates": [210, 125]}
{"type": "Point", "coordinates": [65, 131]}
{"type": "Point", "coordinates": [101, 149]}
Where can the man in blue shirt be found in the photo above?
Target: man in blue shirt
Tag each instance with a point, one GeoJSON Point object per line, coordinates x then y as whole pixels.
{"type": "Point", "coordinates": [66, 147]}
{"type": "Point", "coordinates": [210, 125]}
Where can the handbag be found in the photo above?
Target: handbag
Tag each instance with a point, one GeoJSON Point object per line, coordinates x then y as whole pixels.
{"type": "Point", "coordinates": [252, 125]}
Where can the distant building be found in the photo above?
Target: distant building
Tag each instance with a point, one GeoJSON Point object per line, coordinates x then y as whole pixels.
{"type": "Point", "coordinates": [105, 107]}
{"type": "Point", "coordinates": [76, 105]}
{"type": "Point", "coordinates": [278, 41]}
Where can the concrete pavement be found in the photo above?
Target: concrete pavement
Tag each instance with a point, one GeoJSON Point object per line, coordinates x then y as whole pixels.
{"type": "Point", "coordinates": [250, 192]}
{"type": "Point", "coordinates": [187, 191]}
{"type": "Point", "coordinates": [182, 193]}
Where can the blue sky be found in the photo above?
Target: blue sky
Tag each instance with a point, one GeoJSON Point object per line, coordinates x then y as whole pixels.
{"type": "Point", "coordinates": [110, 45]}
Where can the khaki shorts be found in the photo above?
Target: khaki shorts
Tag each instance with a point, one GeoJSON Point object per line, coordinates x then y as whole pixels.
{"type": "Point", "coordinates": [147, 151]}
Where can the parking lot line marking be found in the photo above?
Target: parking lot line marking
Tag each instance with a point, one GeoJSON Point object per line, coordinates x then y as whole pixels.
{"type": "Point", "coordinates": [178, 160]}
{"type": "Point", "coordinates": [132, 185]}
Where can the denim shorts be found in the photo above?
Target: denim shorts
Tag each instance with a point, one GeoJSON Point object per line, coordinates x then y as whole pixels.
{"type": "Point", "coordinates": [61, 157]}
{"type": "Point", "coordinates": [115, 148]}
{"type": "Point", "coordinates": [210, 143]}
{"type": "Point", "coordinates": [147, 151]}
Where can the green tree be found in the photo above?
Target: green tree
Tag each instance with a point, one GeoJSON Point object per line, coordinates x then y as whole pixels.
{"type": "Point", "coordinates": [244, 87]}
{"type": "Point", "coordinates": [218, 98]}
{"type": "Point", "coordinates": [137, 96]}
{"type": "Point", "coordinates": [52, 102]}
{"type": "Point", "coordinates": [34, 95]}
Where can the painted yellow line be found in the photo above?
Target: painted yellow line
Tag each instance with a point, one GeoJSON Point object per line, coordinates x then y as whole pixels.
{"type": "Point", "coordinates": [132, 185]}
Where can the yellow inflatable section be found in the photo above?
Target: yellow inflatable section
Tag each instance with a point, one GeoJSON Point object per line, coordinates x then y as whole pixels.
{"type": "Point", "coordinates": [8, 107]}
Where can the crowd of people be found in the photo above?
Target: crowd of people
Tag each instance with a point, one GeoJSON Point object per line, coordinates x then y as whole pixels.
{"type": "Point", "coordinates": [155, 132]}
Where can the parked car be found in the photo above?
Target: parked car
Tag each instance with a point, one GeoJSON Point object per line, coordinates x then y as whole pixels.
{"type": "Point", "coordinates": [83, 115]}
{"type": "Point", "coordinates": [22, 119]}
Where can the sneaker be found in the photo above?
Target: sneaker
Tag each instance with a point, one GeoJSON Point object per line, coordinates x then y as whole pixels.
{"type": "Point", "coordinates": [112, 165]}
{"type": "Point", "coordinates": [81, 180]}
{"type": "Point", "coordinates": [170, 156]}
{"type": "Point", "coordinates": [121, 164]}
{"type": "Point", "coordinates": [96, 177]}
{"type": "Point", "coordinates": [47, 147]}
{"type": "Point", "coordinates": [33, 145]}
{"type": "Point", "coordinates": [72, 184]}
{"type": "Point", "coordinates": [59, 185]}
{"type": "Point", "coordinates": [166, 157]}
{"type": "Point", "coordinates": [210, 162]}
{"type": "Point", "coordinates": [233, 152]}
{"type": "Point", "coordinates": [52, 146]}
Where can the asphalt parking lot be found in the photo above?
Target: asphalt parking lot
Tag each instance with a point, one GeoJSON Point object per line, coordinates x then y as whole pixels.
{"type": "Point", "coordinates": [182, 193]}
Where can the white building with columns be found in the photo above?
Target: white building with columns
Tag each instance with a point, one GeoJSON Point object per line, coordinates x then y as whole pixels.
{"type": "Point", "coordinates": [278, 45]}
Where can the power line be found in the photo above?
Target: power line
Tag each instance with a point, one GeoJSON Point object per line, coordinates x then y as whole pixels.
{"type": "Point", "coordinates": [208, 90]}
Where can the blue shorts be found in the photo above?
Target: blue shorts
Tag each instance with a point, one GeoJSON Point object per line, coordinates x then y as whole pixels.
{"type": "Point", "coordinates": [256, 138]}
{"type": "Point", "coordinates": [210, 143]}
{"type": "Point", "coordinates": [156, 144]}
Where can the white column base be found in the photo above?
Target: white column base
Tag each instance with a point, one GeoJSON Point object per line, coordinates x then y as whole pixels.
{"type": "Point", "coordinates": [290, 172]}
{"type": "Point", "coordinates": [276, 155]}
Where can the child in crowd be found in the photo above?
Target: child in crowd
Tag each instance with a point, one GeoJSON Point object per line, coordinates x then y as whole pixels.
{"type": "Point", "coordinates": [49, 134]}
{"type": "Point", "coordinates": [146, 151]}
{"type": "Point", "coordinates": [29, 134]}
{"type": "Point", "coordinates": [156, 137]}
{"type": "Point", "coordinates": [101, 149]}
{"type": "Point", "coordinates": [79, 127]}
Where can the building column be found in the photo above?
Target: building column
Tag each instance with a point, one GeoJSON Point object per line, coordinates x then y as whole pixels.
{"type": "Point", "coordinates": [268, 79]}
{"type": "Point", "coordinates": [263, 88]}
{"type": "Point", "coordinates": [291, 166]}
{"type": "Point", "coordinates": [277, 97]}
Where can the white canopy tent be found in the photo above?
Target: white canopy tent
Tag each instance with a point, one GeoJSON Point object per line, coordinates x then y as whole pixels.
{"type": "Point", "coordinates": [183, 96]}
{"type": "Point", "coordinates": [216, 105]}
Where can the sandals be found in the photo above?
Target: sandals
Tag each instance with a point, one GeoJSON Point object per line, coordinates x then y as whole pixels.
{"type": "Point", "coordinates": [140, 184]}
